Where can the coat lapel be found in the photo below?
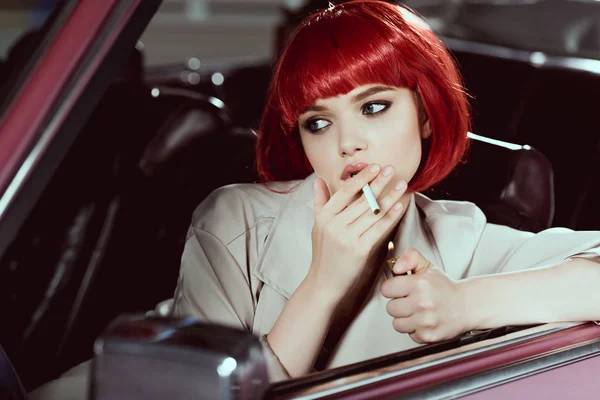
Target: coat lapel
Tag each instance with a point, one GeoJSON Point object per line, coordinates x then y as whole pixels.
{"type": "Point", "coordinates": [413, 232]}
{"type": "Point", "coordinates": [287, 254]}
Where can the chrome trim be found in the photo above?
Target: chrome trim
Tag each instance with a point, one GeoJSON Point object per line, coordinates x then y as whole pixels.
{"type": "Point", "coordinates": [216, 102]}
{"type": "Point", "coordinates": [497, 142]}
{"type": "Point", "coordinates": [404, 367]}
{"type": "Point", "coordinates": [536, 59]}
{"type": "Point", "coordinates": [177, 91]}
{"type": "Point", "coordinates": [487, 380]}
{"type": "Point", "coordinates": [22, 173]}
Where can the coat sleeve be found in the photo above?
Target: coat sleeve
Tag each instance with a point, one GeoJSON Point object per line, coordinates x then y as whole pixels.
{"type": "Point", "coordinates": [214, 288]}
{"type": "Point", "coordinates": [503, 249]}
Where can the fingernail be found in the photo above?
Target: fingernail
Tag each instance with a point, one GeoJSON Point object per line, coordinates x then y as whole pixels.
{"type": "Point", "coordinates": [387, 171]}
{"type": "Point", "coordinates": [374, 168]}
{"type": "Point", "coordinates": [397, 206]}
{"type": "Point", "coordinates": [399, 266]}
{"type": "Point", "coordinates": [400, 185]}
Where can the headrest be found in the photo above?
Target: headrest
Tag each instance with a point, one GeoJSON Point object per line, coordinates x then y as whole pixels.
{"type": "Point", "coordinates": [513, 184]}
{"type": "Point", "coordinates": [196, 117]}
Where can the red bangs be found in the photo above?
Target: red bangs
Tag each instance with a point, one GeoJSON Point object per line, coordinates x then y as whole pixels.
{"type": "Point", "coordinates": [336, 52]}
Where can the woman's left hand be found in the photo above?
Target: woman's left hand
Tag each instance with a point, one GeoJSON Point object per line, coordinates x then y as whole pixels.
{"type": "Point", "coordinates": [428, 305]}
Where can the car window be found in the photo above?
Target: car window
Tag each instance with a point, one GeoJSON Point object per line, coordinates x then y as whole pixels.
{"type": "Point", "coordinates": [23, 26]}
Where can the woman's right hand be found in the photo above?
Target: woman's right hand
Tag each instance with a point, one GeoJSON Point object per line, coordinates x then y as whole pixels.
{"type": "Point", "coordinates": [346, 233]}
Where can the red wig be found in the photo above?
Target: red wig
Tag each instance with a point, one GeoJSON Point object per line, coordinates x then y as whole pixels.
{"type": "Point", "coordinates": [353, 44]}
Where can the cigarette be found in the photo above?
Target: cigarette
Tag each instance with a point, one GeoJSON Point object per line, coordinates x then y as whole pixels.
{"type": "Point", "coordinates": [371, 199]}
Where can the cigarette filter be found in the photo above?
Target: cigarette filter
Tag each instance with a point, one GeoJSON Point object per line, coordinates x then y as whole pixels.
{"type": "Point", "coordinates": [371, 199]}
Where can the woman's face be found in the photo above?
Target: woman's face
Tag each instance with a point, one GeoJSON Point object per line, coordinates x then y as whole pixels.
{"type": "Point", "coordinates": [372, 123]}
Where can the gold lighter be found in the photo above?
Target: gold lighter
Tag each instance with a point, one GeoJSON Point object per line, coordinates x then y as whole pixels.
{"type": "Point", "coordinates": [392, 260]}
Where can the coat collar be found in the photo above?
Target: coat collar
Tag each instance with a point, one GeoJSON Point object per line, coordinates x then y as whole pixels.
{"type": "Point", "coordinates": [287, 253]}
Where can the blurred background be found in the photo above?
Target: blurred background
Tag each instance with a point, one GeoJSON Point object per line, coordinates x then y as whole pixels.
{"type": "Point", "coordinates": [19, 16]}
{"type": "Point", "coordinates": [212, 30]}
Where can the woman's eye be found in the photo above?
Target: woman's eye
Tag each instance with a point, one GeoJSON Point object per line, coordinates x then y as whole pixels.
{"type": "Point", "coordinates": [374, 108]}
{"type": "Point", "coordinates": [314, 125]}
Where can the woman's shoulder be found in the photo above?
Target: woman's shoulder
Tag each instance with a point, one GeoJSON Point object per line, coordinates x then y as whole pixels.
{"type": "Point", "coordinates": [233, 209]}
{"type": "Point", "coordinates": [452, 222]}
{"type": "Point", "coordinates": [457, 210]}
{"type": "Point", "coordinates": [456, 229]}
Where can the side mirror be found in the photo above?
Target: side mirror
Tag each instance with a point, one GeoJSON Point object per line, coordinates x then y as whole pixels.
{"type": "Point", "coordinates": [152, 358]}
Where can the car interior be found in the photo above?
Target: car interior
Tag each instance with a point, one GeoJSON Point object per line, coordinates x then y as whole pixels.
{"type": "Point", "coordinates": [110, 227]}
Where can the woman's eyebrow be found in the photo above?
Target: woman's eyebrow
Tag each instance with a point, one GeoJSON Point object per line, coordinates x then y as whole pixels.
{"type": "Point", "coordinates": [360, 96]}
{"type": "Point", "coordinates": [314, 108]}
{"type": "Point", "coordinates": [369, 92]}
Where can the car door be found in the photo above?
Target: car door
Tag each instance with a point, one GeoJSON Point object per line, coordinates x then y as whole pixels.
{"type": "Point", "coordinates": [47, 99]}
{"type": "Point", "coordinates": [552, 360]}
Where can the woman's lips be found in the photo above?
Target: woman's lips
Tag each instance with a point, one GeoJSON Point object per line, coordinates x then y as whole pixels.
{"type": "Point", "coordinates": [353, 169]}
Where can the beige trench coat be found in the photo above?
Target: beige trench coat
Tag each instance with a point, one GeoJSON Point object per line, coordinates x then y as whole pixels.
{"type": "Point", "coordinates": [248, 249]}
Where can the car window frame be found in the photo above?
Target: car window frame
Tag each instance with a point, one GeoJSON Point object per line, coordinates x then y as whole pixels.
{"type": "Point", "coordinates": [492, 361]}
{"type": "Point", "coordinates": [36, 131]}
{"type": "Point", "coordinates": [47, 32]}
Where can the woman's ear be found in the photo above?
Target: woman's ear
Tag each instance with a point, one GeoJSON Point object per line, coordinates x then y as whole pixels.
{"type": "Point", "coordinates": [426, 129]}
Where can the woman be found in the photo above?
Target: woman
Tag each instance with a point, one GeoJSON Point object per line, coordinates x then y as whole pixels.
{"type": "Point", "coordinates": [364, 89]}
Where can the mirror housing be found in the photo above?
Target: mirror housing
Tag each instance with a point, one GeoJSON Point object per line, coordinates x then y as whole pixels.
{"type": "Point", "coordinates": [151, 358]}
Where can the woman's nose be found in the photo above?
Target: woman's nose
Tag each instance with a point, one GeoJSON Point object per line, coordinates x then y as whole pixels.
{"type": "Point", "coordinates": [351, 142]}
